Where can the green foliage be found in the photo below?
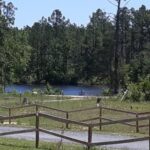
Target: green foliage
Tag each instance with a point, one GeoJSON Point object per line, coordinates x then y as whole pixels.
{"type": "Point", "coordinates": [107, 92]}
{"type": "Point", "coordinates": [124, 75]}
{"type": "Point", "coordinates": [139, 91]}
{"type": "Point", "coordinates": [134, 92]}
{"type": "Point", "coordinates": [51, 90]}
{"type": "Point", "coordinates": [14, 92]}
{"type": "Point", "coordinates": [65, 54]}
{"type": "Point", "coordinates": [7, 11]}
{"type": "Point", "coordinates": [145, 88]}
{"type": "Point", "coordinates": [17, 54]}
{"type": "Point", "coordinates": [1, 89]}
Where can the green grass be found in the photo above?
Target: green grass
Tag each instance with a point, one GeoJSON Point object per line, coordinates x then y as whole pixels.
{"type": "Point", "coordinates": [13, 99]}
{"type": "Point", "coordinates": [15, 144]}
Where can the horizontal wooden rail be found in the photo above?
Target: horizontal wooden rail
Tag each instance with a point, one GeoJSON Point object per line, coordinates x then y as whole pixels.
{"type": "Point", "coordinates": [63, 136]}
{"type": "Point", "coordinates": [17, 132]}
{"type": "Point", "coordinates": [96, 118]}
{"type": "Point", "coordinates": [144, 113]}
{"type": "Point", "coordinates": [85, 120]}
{"type": "Point", "coordinates": [46, 107]}
{"type": "Point", "coordinates": [34, 105]}
{"type": "Point", "coordinates": [18, 116]}
{"type": "Point", "coordinates": [4, 107]}
{"type": "Point", "coordinates": [123, 121]}
{"type": "Point", "coordinates": [143, 126]}
{"type": "Point", "coordinates": [2, 116]}
{"type": "Point", "coordinates": [24, 106]}
{"type": "Point", "coordinates": [85, 109]}
{"type": "Point", "coordinates": [132, 125]}
{"type": "Point", "coordinates": [112, 109]}
{"type": "Point", "coordinates": [120, 141]}
{"type": "Point", "coordinates": [63, 120]}
{"type": "Point", "coordinates": [119, 110]}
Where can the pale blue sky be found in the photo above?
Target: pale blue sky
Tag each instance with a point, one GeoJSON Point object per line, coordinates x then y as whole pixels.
{"type": "Point", "coordinates": [78, 11]}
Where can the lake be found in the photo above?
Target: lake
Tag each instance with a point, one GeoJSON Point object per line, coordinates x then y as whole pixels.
{"type": "Point", "coordinates": [67, 89]}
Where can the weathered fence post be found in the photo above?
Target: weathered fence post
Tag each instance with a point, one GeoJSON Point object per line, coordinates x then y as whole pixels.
{"type": "Point", "coordinates": [100, 118]}
{"type": "Point", "coordinates": [20, 97]}
{"type": "Point", "coordinates": [67, 117]}
{"type": "Point", "coordinates": [36, 109]}
{"type": "Point", "coordinates": [9, 115]}
{"type": "Point", "coordinates": [137, 124]}
{"type": "Point", "coordinates": [89, 137]}
{"type": "Point", "coordinates": [37, 129]}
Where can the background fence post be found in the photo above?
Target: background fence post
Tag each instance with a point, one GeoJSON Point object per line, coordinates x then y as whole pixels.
{"type": "Point", "coordinates": [89, 137]}
{"type": "Point", "coordinates": [100, 118]}
{"type": "Point", "coordinates": [37, 130]}
{"type": "Point", "coordinates": [36, 109]}
{"type": "Point", "coordinates": [20, 98]}
{"type": "Point", "coordinates": [137, 124]}
{"type": "Point", "coordinates": [67, 117]}
{"type": "Point", "coordinates": [9, 115]}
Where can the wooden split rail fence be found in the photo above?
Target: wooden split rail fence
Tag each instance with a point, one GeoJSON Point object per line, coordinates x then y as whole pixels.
{"type": "Point", "coordinates": [137, 115]}
{"type": "Point", "coordinates": [88, 142]}
{"type": "Point", "coordinates": [100, 117]}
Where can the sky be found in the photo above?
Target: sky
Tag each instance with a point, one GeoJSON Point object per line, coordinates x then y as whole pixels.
{"type": "Point", "coordinates": [78, 11]}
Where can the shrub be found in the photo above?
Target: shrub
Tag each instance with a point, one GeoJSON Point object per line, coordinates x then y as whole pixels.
{"type": "Point", "coordinates": [139, 91]}
{"type": "Point", "coordinates": [14, 92]}
{"type": "Point", "coordinates": [1, 89]}
{"type": "Point", "coordinates": [133, 92]}
{"type": "Point", "coordinates": [51, 91]}
{"type": "Point", "coordinates": [145, 88]}
{"type": "Point", "coordinates": [107, 92]}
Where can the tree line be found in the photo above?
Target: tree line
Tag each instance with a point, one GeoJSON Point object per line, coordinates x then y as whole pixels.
{"type": "Point", "coordinates": [105, 51]}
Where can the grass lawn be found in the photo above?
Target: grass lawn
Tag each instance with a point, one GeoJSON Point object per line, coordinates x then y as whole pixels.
{"type": "Point", "coordinates": [66, 104]}
{"type": "Point", "coordinates": [14, 144]}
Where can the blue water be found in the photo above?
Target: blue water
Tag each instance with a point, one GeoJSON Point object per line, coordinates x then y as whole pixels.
{"type": "Point", "coordinates": [67, 89]}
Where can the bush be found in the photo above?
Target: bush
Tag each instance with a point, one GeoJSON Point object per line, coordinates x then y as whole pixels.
{"type": "Point", "coordinates": [51, 91]}
{"type": "Point", "coordinates": [14, 92]}
{"type": "Point", "coordinates": [133, 92]}
{"type": "Point", "coordinates": [107, 92]}
{"type": "Point", "coordinates": [1, 89]}
{"type": "Point", "coordinates": [145, 88]}
{"type": "Point", "coordinates": [139, 91]}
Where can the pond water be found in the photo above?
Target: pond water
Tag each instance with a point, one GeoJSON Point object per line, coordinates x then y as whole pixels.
{"type": "Point", "coordinates": [67, 89]}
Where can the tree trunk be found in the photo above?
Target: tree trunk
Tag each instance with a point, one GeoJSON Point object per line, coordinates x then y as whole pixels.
{"type": "Point", "coordinates": [116, 53]}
